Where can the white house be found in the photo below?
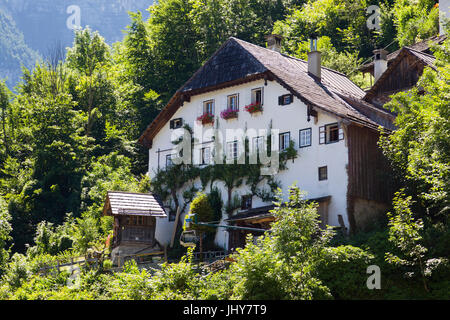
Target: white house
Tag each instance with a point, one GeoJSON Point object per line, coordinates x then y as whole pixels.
{"type": "Point", "coordinates": [333, 130]}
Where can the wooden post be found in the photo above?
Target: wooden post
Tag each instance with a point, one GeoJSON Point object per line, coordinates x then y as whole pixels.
{"type": "Point", "coordinates": [175, 226]}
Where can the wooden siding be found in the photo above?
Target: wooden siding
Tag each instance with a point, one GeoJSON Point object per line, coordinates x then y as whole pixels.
{"type": "Point", "coordinates": [368, 170]}
{"type": "Point", "coordinates": [370, 176]}
{"type": "Point", "coordinates": [404, 75]}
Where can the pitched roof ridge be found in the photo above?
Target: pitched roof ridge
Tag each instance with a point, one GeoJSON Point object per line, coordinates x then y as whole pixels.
{"type": "Point", "coordinates": [420, 52]}
{"type": "Point", "coordinates": [288, 56]}
{"type": "Point", "coordinates": [205, 63]}
{"type": "Point", "coordinates": [136, 193]}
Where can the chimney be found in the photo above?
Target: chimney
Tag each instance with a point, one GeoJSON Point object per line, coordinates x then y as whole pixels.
{"type": "Point", "coordinates": [274, 42]}
{"type": "Point", "coordinates": [380, 63]}
{"type": "Point", "coordinates": [314, 59]}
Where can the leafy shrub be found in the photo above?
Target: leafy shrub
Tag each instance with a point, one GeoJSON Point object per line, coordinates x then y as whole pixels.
{"type": "Point", "coordinates": [343, 271]}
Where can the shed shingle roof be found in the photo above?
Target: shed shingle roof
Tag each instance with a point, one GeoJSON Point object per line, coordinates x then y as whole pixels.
{"type": "Point", "coordinates": [138, 204]}
{"type": "Point", "coordinates": [238, 61]}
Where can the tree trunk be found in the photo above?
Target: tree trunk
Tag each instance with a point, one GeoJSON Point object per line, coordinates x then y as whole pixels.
{"type": "Point", "coordinates": [201, 246]}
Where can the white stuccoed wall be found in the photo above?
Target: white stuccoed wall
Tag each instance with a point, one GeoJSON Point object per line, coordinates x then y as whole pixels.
{"type": "Point", "coordinates": [293, 117]}
{"type": "Point", "coordinates": [444, 8]}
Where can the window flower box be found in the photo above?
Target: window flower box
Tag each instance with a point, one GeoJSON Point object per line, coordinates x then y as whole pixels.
{"type": "Point", "coordinates": [206, 118]}
{"type": "Point", "coordinates": [254, 107]}
{"type": "Point", "coordinates": [229, 114]}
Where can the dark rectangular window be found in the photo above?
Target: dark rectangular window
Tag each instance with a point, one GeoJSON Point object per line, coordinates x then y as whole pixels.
{"type": "Point", "coordinates": [323, 173]}
{"type": "Point", "coordinates": [305, 138]}
{"type": "Point", "coordinates": [172, 215]}
{"type": "Point", "coordinates": [285, 99]}
{"type": "Point", "coordinates": [330, 133]}
{"type": "Point", "coordinates": [246, 202]}
{"type": "Point", "coordinates": [176, 123]}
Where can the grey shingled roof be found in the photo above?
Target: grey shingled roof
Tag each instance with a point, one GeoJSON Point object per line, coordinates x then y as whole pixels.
{"type": "Point", "coordinates": [138, 204]}
{"type": "Point", "coordinates": [422, 46]}
{"type": "Point", "coordinates": [238, 60]}
{"type": "Point", "coordinates": [426, 59]}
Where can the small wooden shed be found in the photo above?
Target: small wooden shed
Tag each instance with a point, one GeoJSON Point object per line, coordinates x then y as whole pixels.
{"type": "Point", "coordinates": [134, 217]}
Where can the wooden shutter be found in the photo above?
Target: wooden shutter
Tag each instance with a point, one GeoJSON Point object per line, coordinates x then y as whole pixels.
{"type": "Point", "coordinates": [171, 124]}
{"type": "Point", "coordinates": [280, 100]}
{"type": "Point", "coordinates": [322, 135]}
{"type": "Point", "coordinates": [341, 133]}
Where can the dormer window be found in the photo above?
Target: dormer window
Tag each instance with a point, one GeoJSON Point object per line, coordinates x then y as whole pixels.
{"type": "Point", "coordinates": [176, 123]}
{"type": "Point", "coordinates": [233, 102]}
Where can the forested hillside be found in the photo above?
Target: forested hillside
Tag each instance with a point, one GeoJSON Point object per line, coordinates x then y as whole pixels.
{"type": "Point", "coordinates": [69, 134]}
{"type": "Point", "coordinates": [14, 51]}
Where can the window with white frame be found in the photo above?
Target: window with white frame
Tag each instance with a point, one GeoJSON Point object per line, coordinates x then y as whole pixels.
{"type": "Point", "coordinates": [232, 150]}
{"type": "Point", "coordinates": [258, 144]}
{"type": "Point", "coordinates": [208, 107]}
{"type": "Point", "coordinates": [331, 133]}
{"type": "Point", "coordinates": [233, 102]}
{"type": "Point", "coordinates": [285, 140]}
{"type": "Point", "coordinates": [205, 156]}
{"type": "Point", "coordinates": [257, 95]}
{"type": "Point", "coordinates": [305, 138]}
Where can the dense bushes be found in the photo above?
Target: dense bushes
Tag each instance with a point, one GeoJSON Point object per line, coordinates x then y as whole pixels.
{"type": "Point", "coordinates": [343, 271]}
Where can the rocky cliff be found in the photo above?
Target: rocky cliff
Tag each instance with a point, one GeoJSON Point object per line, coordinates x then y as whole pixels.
{"type": "Point", "coordinates": [43, 23]}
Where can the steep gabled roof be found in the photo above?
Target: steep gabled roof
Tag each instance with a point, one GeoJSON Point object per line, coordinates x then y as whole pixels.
{"type": "Point", "coordinates": [238, 61]}
{"type": "Point", "coordinates": [422, 47]}
{"type": "Point", "coordinates": [133, 204]}
{"type": "Point", "coordinates": [423, 58]}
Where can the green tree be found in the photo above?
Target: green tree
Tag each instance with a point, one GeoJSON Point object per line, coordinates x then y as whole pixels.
{"type": "Point", "coordinates": [415, 20]}
{"type": "Point", "coordinates": [419, 149]}
{"type": "Point", "coordinates": [5, 108]}
{"type": "Point", "coordinates": [284, 263]}
{"type": "Point", "coordinates": [5, 230]}
{"type": "Point", "coordinates": [405, 233]}
{"type": "Point", "coordinates": [201, 207]}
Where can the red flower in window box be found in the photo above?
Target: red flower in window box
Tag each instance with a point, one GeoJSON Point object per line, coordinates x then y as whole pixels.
{"type": "Point", "coordinates": [206, 118]}
{"type": "Point", "coordinates": [254, 107]}
{"type": "Point", "coordinates": [229, 114]}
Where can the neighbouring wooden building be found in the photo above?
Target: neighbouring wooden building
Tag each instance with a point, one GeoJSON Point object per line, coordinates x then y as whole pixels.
{"type": "Point", "coordinates": [135, 219]}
